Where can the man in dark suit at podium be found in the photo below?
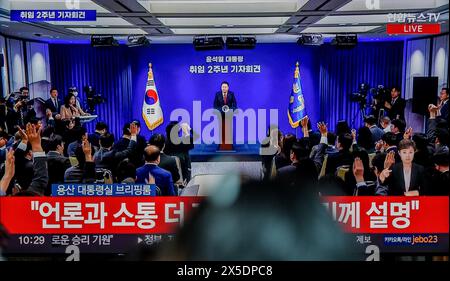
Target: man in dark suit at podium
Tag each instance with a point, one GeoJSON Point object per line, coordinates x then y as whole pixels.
{"type": "Point", "coordinates": [225, 97]}
{"type": "Point", "coordinates": [223, 102]}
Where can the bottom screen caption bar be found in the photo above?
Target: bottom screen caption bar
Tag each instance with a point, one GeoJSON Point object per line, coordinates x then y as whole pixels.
{"type": "Point", "coordinates": [124, 243]}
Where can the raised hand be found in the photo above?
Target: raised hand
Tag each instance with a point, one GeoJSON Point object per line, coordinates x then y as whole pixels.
{"type": "Point", "coordinates": [133, 129]}
{"type": "Point", "coordinates": [23, 135]}
{"type": "Point", "coordinates": [150, 179]}
{"type": "Point", "coordinates": [87, 150]}
{"type": "Point", "coordinates": [408, 133]}
{"type": "Point", "coordinates": [384, 175]}
{"type": "Point", "coordinates": [34, 137]}
{"type": "Point", "coordinates": [304, 122]}
{"type": "Point", "coordinates": [390, 160]}
{"type": "Point", "coordinates": [10, 164]}
{"type": "Point", "coordinates": [322, 128]}
{"type": "Point", "coordinates": [358, 170]}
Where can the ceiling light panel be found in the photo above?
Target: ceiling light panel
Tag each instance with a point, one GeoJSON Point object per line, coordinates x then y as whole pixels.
{"type": "Point", "coordinates": [222, 31]}
{"type": "Point", "coordinates": [338, 29]}
{"type": "Point", "coordinates": [108, 31]}
{"type": "Point", "coordinates": [223, 21]}
{"type": "Point", "coordinates": [222, 6]}
{"type": "Point", "coordinates": [360, 5]}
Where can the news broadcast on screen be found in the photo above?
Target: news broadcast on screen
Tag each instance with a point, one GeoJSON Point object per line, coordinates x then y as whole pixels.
{"type": "Point", "coordinates": [225, 139]}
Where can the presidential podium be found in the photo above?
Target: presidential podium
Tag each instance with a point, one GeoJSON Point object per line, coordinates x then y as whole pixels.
{"type": "Point", "coordinates": [226, 130]}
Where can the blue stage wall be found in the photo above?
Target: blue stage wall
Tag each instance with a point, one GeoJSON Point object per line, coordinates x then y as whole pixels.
{"type": "Point", "coordinates": [269, 89]}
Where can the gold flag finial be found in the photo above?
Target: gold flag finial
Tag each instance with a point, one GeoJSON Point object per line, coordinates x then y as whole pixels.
{"type": "Point", "coordinates": [150, 72]}
{"type": "Point", "coordinates": [297, 64]}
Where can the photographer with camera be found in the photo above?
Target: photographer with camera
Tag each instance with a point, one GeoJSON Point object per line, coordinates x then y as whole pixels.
{"type": "Point", "coordinates": [21, 110]}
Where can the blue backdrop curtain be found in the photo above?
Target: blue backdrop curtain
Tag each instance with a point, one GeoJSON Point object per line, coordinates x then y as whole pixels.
{"type": "Point", "coordinates": [105, 69]}
{"type": "Point", "coordinates": [108, 70]}
{"type": "Point", "coordinates": [341, 72]}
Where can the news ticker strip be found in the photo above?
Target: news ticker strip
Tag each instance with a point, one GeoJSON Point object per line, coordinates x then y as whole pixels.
{"type": "Point", "coordinates": [126, 243]}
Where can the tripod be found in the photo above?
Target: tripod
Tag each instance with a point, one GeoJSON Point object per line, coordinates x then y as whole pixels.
{"type": "Point", "coordinates": [362, 108]}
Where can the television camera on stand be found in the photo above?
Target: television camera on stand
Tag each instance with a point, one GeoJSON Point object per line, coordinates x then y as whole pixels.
{"type": "Point", "coordinates": [360, 97]}
{"type": "Point", "coordinates": [379, 96]}
{"type": "Point", "coordinates": [92, 99]}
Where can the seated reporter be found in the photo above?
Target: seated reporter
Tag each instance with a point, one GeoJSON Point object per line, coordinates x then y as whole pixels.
{"type": "Point", "coordinates": [162, 178]}
{"type": "Point", "coordinates": [108, 157]}
{"type": "Point", "coordinates": [85, 170]}
{"type": "Point", "coordinates": [302, 171]}
{"type": "Point", "coordinates": [166, 162]}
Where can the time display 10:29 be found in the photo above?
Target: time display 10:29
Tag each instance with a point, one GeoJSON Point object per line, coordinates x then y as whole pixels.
{"type": "Point", "coordinates": [31, 240]}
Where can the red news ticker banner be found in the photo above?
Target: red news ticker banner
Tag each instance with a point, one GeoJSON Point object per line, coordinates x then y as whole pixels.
{"type": "Point", "coordinates": [390, 214]}
{"type": "Point", "coordinates": [95, 215]}
{"type": "Point", "coordinates": [146, 215]}
{"type": "Point", "coordinates": [413, 28]}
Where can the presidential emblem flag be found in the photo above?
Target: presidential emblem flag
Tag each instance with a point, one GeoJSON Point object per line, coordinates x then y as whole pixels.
{"type": "Point", "coordinates": [296, 111]}
{"type": "Point", "coordinates": [151, 108]}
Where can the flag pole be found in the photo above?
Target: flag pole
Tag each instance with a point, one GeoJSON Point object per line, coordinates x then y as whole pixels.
{"type": "Point", "coordinates": [296, 128]}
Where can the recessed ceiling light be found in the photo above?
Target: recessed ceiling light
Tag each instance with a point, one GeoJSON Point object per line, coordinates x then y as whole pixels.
{"type": "Point", "coordinates": [341, 24]}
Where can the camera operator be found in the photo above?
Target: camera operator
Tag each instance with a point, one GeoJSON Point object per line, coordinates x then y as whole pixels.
{"type": "Point", "coordinates": [92, 98]}
{"type": "Point", "coordinates": [395, 108]}
{"type": "Point", "coordinates": [21, 110]}
{"type": "Point", "coordinates": [379, 96]}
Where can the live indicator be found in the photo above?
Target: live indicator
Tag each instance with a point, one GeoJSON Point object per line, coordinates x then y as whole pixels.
{"type": "Point", "coordinates": [429, 28]}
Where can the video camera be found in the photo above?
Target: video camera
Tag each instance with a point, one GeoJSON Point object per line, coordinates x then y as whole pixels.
{"type": "Point", "coordinates": [381, 94]}
{"type": "Point", "coordinates": [361, 95]}
{"type": "Point", "coordinates": [23, 98]}
{"type": "Point", "coordinates": [92, 98]}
